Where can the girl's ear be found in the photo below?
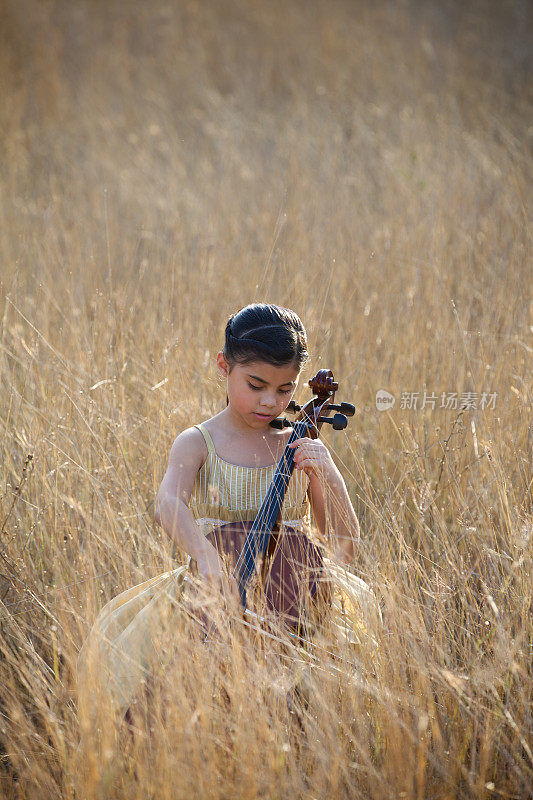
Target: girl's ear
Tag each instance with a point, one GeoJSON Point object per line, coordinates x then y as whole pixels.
{"type": "Point", "coordinates": [222, 364]}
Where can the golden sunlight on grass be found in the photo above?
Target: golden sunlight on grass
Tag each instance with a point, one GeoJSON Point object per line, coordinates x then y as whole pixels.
{"type": "Point", "coordinates": [164, 164]}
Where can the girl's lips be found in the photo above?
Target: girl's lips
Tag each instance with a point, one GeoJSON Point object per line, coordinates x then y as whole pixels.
{"type": "Point", "coordinates": [263, 416]}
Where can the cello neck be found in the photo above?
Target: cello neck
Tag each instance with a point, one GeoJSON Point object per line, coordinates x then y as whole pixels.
{"type": "Point", "coordinates": [258, 537]}
{"type": "Point", "coordinates": [273, 501]}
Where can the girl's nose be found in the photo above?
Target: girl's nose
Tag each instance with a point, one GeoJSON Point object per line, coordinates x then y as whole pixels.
{"type": "Point", "coordinates": [269, 401]}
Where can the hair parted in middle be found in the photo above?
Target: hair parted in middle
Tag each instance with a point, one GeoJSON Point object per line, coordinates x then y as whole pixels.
{"type": "Point", "coordinates": [265, 332]}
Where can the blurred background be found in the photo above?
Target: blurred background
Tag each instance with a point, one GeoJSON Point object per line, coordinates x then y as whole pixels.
{"type": "Point", "coordinates": [166, 163]}
{"type": "Point", "coordinates": [306, 136]}
{"type": "Point", "coordinates": [369, 165]}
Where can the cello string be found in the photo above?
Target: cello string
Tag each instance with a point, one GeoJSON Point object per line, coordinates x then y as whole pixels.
{"type": "Point", "coordinates": [259, 533]}
{"type": "Point", "coordinates": [279, 486]}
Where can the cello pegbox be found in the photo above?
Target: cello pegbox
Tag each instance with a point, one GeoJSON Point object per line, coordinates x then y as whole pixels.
{"type": "Point", "coordinates": [323, 384]}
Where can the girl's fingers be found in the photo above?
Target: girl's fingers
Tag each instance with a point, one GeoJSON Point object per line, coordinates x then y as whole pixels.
{"type": "Point", "coordinates": [308, 453]}
{"type": "Point", "coordinates": [309, 463]}
{"type": "Point", "coordinates": [308, 445]}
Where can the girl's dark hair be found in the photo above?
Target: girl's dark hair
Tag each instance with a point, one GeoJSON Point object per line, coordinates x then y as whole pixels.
{"type": "Point", "coordinates": [265, 332]}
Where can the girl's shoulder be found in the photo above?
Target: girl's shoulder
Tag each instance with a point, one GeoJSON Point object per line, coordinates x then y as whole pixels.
{"type": "Point", "coordinates": [189, 448]}
{"type": "Point", "coordinates": [187, 455]}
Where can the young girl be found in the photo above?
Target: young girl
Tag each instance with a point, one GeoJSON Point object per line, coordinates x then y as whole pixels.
{"type": "Point", "coordinates": [219, 472]}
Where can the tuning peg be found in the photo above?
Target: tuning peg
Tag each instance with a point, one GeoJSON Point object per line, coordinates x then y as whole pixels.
{"type": "Point", "coordinates": [344, 408]}
{"type": "Point", "coordinates": [280, 423]}
{"type": "Point", "coordinates": [339, 421]}
{"type": "Point", "coordinates": [293, 407]}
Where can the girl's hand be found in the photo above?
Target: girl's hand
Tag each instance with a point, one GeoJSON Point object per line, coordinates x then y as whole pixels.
{"type": "Point", "coordinates": [313, 456]}
{"type": "Point", "coordinates": [211, 570]}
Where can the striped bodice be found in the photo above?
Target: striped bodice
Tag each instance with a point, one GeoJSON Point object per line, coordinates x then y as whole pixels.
{"type": "Point", "coordinates": [234, 493]}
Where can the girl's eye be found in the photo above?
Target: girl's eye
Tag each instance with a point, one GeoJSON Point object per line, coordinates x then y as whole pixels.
{"type": "Point", "coordinates": [257, 388]}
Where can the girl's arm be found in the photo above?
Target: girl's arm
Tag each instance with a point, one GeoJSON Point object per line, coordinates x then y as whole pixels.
{"type": "Point", "coordinates": [330, 502]}
{"type": "Point", "coordinates": [172, 511]}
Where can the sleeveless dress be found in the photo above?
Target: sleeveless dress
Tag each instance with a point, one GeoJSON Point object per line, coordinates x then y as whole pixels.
{"type": "Point", "coordinates": [113, 660]}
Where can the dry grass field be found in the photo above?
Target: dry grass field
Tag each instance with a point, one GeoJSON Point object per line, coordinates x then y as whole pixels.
{"type": "Point", "coordinates": [369, 165]}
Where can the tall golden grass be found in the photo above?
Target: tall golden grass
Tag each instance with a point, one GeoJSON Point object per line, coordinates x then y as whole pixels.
{"type": "Point", "coordinates": [164, 164]}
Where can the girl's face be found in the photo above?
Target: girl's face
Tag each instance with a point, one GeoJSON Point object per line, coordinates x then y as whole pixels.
{"type": "Point", "coordinates": [258, 392]}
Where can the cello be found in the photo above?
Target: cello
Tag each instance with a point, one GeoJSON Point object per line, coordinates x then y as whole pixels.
{"type": "Point", "coordinates": [288, 564]}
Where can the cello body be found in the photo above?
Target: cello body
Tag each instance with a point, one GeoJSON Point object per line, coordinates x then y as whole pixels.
{"type": "Point", "coordinates": [291, 575]}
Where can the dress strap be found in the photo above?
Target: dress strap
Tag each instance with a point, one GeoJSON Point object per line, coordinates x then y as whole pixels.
{"type": "Point", "coordinates": [207, 436]}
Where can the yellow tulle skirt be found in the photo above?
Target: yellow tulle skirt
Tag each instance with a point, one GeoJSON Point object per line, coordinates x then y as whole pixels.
{"type": "Point", "coordinates": [115, 658]}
